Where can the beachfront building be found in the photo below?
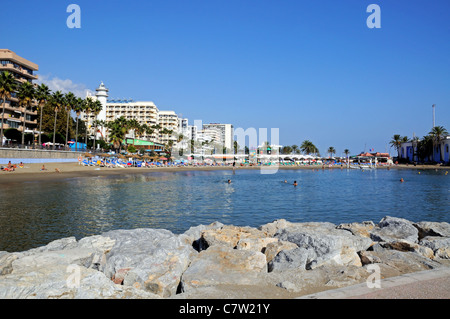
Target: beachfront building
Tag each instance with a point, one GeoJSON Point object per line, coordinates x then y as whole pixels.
{"type": "Point", "coordinates": [375, 158]}
{"type": "Point", "coordinates": [23, 71]}
{"type": "Point", "coordinates": [169, 121]}
{"type": "Point", "coordinates": [225, 134]}
{"type": "Point", "coordinates": [184, 133]}
{"type": "Point", "coordinates": [144, 112]}
{"type": "Point", "coordinates": [410, 152]}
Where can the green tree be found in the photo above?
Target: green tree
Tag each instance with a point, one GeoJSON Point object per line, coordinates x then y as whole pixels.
{"type": "Point", "coordinates": [286, 150]}
{"type": "Point", "coordinates": [79, 107]}
{"type": "Point", "coordinates": [437, 133]}
{"type": "Point", "coordinates": [396, 142]}
{"type": "Point", "coordinates": [57, 100]}
{"type": "Point", "coordinates": [331, 151]}
{"type": "Point", "coordinates": [425, 148]}
{"type": "Point", "coordinates": [308, 147]}
{"type": "Point", "coordinates": [87, 110]}
{"type": "Point", "coordinates": [42, 96]}
{"type": "Point", "coordinates": [8, 85]}
{"type": "Point", "coordinates": [70, 102]}
{"type": "Point", "coordinates": [117, 130]}
{"type": "Point", "coordinates": [26, 94]}
{"type": "Point", "coordinates": [95, 109]}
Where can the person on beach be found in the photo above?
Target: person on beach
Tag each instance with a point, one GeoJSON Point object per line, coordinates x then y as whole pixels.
{"type": "Point", "coordinates": [43, 168]}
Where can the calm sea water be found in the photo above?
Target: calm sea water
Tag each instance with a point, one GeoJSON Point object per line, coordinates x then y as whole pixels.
{"type": "Point", "coordinates": [34, 213]}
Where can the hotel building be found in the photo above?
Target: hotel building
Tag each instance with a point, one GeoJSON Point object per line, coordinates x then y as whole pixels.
{"type": "Point", "coordinates": [145, 112]}
{"type": "Point", "coordinates": [225, 132]}
{"type": "Point", "coordinates": [168, 120]}
{"type": "Point", "coordinates": [23, 71]}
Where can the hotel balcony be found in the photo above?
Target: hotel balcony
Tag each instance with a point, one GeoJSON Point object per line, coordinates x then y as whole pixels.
{"type": "Point", "coordinates": [17, 69]}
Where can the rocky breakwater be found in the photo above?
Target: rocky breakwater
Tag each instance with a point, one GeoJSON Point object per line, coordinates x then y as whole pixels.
{"type": "Point", "coordinates": [276, 260]}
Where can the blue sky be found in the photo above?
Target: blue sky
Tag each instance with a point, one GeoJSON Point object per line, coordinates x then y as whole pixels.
{"type": "Point", "coordinates": [313, 69]}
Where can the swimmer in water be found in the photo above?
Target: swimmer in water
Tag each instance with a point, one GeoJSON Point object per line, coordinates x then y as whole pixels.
{"type": "Point", "coordinates": [229, 181]}
{"type": "Point", "coordinates": [401, 180]}
{"type": "Point", "coordinates": [295, 183]}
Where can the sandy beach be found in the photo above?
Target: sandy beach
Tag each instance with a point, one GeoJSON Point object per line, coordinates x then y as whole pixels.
{"type": "Point", "coordinates": [33, 172]}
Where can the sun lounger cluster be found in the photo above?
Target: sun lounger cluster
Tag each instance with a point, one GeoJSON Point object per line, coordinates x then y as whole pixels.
{"type": "Point", "coordinates": [113, 162]}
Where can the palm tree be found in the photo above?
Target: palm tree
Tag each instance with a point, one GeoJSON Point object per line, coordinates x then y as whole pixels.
{"type": "Point", "coordinates": [425, 147]}
{"type": "Point", "coordinates": [147, 130]}
{"type": "Point", "coordinates": [117, 131]}
{"type": "Point", "coordinates": [8, 85]}
{"type": "Point", "coordinates": [347, 153]}
{"type": "Point", "coordinates": [308, 147]}
{"type": "Point", "coordinates": [79, 107]}
{"type": "Point", "coordinates": [25, 94]}
{"type": "Point", "coordinates": [42, 95]}
{"type": "Point", "coordinates": [331, 151]}
{"type": "Point", "coordinates": [87, 109]}
{"type": "Point", "coordinates": [286, 150]}
{"type": "Point", "coordinates": [57, 100]}
{"type": "Point", "coordinates": [295, 149]}
{"type": "Point", "coordinates": [70, 100]}
{"type": "Point", "coordinates": [397, 143]}
{"type": "Point", "coordinates": [96, 108]}
{"type": "Point", "coordinates": [438, 133]}
{"type": "Point", "coordinates": [135, 126]}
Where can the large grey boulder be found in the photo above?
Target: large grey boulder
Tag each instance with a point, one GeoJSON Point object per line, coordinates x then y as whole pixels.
{"type": "Point", "coordinates": [221, 264]}
{"type": "Point", "coordinates": [230, 236]}
{"type": "Point", "coordinates": [393, 229]}
{"type": "Point", "coordinates": [321, 243]}
{"type": "Point", "coordinates": [55, 282]}
{"type": "Point", "coordinates": [439, 245]}
{"type": "Point", "coordinates": [193, 235]}
{"type": "Point", "coordinates": [433, 229]}
{"type": "Point", "coordinates": [149, 259]}
{"type": "Point", "coordinates": [62, 269]}
{"type": "Point", "coordinates": [297, 258]}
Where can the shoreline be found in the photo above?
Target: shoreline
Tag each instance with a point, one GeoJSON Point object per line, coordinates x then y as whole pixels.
{"type": "Point", "coordinates": [32, 172]}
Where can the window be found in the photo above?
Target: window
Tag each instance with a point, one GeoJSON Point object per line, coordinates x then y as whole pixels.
{"type": "Point", "coordinates": [12, 124]}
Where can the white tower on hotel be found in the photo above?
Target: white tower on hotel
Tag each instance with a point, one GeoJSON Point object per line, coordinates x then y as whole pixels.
{"type": "Point", "coordinates": [102, 96]}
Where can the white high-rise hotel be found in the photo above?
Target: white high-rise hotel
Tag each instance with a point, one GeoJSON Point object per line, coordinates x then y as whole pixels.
{"type": "Point", "coordinates": [146, 112]}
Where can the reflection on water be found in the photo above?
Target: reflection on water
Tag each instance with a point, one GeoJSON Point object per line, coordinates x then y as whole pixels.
{"type": "Point", "coordinates": [35, 213]}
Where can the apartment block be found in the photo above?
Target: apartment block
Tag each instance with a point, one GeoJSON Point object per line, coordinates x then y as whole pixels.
{"type": "Point", "coordinates": [23, 71]}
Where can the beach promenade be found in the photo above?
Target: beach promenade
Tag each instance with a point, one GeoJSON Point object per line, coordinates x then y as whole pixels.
{"type": "Point", "coordinates": [428, 284]}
